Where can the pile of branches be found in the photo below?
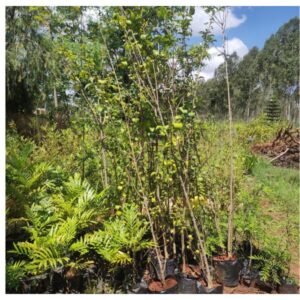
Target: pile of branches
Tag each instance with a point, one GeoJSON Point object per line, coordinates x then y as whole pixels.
{"type": "Point", "coordinates": [284, 150]}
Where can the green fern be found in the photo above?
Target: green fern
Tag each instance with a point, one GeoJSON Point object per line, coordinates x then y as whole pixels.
{"type": "Point", "coordinates": [40, 259]}
{"type": "Point", "coordinates": [27, 181]}
{"type": "Point", "coordinates": [119, 239]}
{"type": "Point", "coordinates": [15, 272]}
{"type": "Point", "coordinates": [54, 225]}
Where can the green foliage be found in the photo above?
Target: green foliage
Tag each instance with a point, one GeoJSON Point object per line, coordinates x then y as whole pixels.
{"type": "Point", "coordinates": [55, 223]}
{"type": "Point", "coordinates": [272, 265]}
{"type": "Point", "coordinates": [280, 187]}
{"type": "Point", "coordinates": [26, 181]}
{"type": "Point", "coordinates": [250, 219]}
{"type": "Point", "coordinates": [250, 162]}
{"type": "Point", "coordinates": [120, 238]}
{"type": "Point", "coordinates": [258, 130]}
{"type": "Point", "coordinates": [272, 110]}
{"type": "Point", "coordinates": [14, 274]}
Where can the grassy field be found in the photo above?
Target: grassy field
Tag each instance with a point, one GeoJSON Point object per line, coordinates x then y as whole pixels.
{"type": "Point", "coordinates": [281, 203]}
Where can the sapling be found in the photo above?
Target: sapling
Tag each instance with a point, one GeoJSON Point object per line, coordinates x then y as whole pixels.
{"type": "Point", "coordinates": [220, 19]}
{"type": "Point", "coordinates": [162, 264]}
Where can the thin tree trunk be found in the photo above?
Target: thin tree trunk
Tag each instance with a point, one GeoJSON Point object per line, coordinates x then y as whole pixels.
{"type": "Point", "coordinates": [183, 250]}
{"type": "Point", "coordinates": [83, 159]}
{"type": "Point", "coordinates": [231, 203]}
{"type": "Point", "coordinates": [55, 97]}
{"type": "Point", "coordinates": [103, 153]}
{"type": "Point", "coordinates": [165, 246]}
{"type": "Point", "coordinates": [174, 242]}
{"type": "Point", "coordinates": [248, 110]}
{"type": "Point", "coordinates": [104, 161]}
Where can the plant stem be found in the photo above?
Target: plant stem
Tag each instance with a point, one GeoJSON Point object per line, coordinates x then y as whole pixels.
{"type": "Point", "coordinates": [201, 243]}
{"type": "Point", "coordinates": [183, 250]}
{"type": "Point", "coordinates": [231, 203]}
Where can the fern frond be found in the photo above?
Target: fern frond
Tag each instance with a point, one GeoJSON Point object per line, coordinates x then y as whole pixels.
{"type": "Point", "coordinates": [80, 264]}
{"type": "Point", "coordinates": [47, 258]}
{"type": "Point", "coordinates": [115, 256]}
{"type": "Point", "coordinates": [23, 248]}
{"type": "Point", "coordinates": [39, 170]}
{"type": "Point", "coordinates": [81, 245]}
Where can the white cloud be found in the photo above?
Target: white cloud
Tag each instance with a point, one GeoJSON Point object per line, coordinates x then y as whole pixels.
{"type": "Point", "coordinates": [234, 45]}
{"type": "Point", "coordinates": [238, 46]}
{"type": "Point", "coordinates": [200, 18]}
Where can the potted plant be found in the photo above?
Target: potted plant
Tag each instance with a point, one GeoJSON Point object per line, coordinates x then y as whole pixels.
{"type": "Point", "coordinates": [227, 266]}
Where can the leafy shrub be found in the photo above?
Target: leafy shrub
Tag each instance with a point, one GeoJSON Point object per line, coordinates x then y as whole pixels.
{"type": "Point", "coordinates": [272, 264]}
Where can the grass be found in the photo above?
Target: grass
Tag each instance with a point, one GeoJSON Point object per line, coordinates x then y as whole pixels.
{"type": "Point", "coordinates": [281, 202]}
{"type": "Point", "coordinates": [281, 184]}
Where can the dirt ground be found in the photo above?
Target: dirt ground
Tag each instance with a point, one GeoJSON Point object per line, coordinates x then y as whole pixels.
{"type": "Point", "coordinates": [241, 289]}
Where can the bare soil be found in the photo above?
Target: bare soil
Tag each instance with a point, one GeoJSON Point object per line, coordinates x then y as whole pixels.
{"type": "Point", "coordinates": [157, 286]}
{"type": "Point", "coordinates": [242, 289]}
{"type": "Point", "coordinates": [224, 258]}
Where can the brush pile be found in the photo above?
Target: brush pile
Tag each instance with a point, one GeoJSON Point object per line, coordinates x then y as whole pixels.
{"type": "Point", "coordinates": [284, 150]}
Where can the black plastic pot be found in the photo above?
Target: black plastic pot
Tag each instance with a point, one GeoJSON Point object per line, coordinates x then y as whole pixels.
{"type": "Point", "coordinates": [228, 271]}
{"type": "Point", "coordinates": [248, 279]}
{"type": "Point", "coordinates": [171, 266]}
{"type": "Point", "coordinates": [187, 286]}
{"type": "Point", "coordinates": [192, 286]}
{"type": "Point", "coordinates": [263, 286]}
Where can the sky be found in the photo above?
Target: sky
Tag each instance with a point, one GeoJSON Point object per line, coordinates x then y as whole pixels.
{"type": "Point", "coordinates": [247, 27]}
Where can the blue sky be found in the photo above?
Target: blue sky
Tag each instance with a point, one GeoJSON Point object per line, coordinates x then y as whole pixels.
{"type": "Point", "coordinates": [261, 22]}
{"type": "Point", "coordinates": [246, 27]}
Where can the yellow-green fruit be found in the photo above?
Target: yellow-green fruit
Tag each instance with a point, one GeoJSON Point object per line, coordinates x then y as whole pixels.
{"type": "Point", "coordinates": [177, 125]}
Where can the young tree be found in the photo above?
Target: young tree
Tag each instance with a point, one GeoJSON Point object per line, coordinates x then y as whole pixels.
{"type": "Point", "coordinates": [220, 19]}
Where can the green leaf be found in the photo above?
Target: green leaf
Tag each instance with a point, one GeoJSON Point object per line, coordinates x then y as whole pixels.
{"type": "Point", "coordinates": [177, 125]}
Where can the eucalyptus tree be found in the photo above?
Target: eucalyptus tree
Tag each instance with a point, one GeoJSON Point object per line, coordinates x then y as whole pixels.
{"type": "Point", "coordinates": [246, 84]}
{"type": "Point", "coordinates": [279, 66]}
{"type": "Point", "coordinates": [27, 57]}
